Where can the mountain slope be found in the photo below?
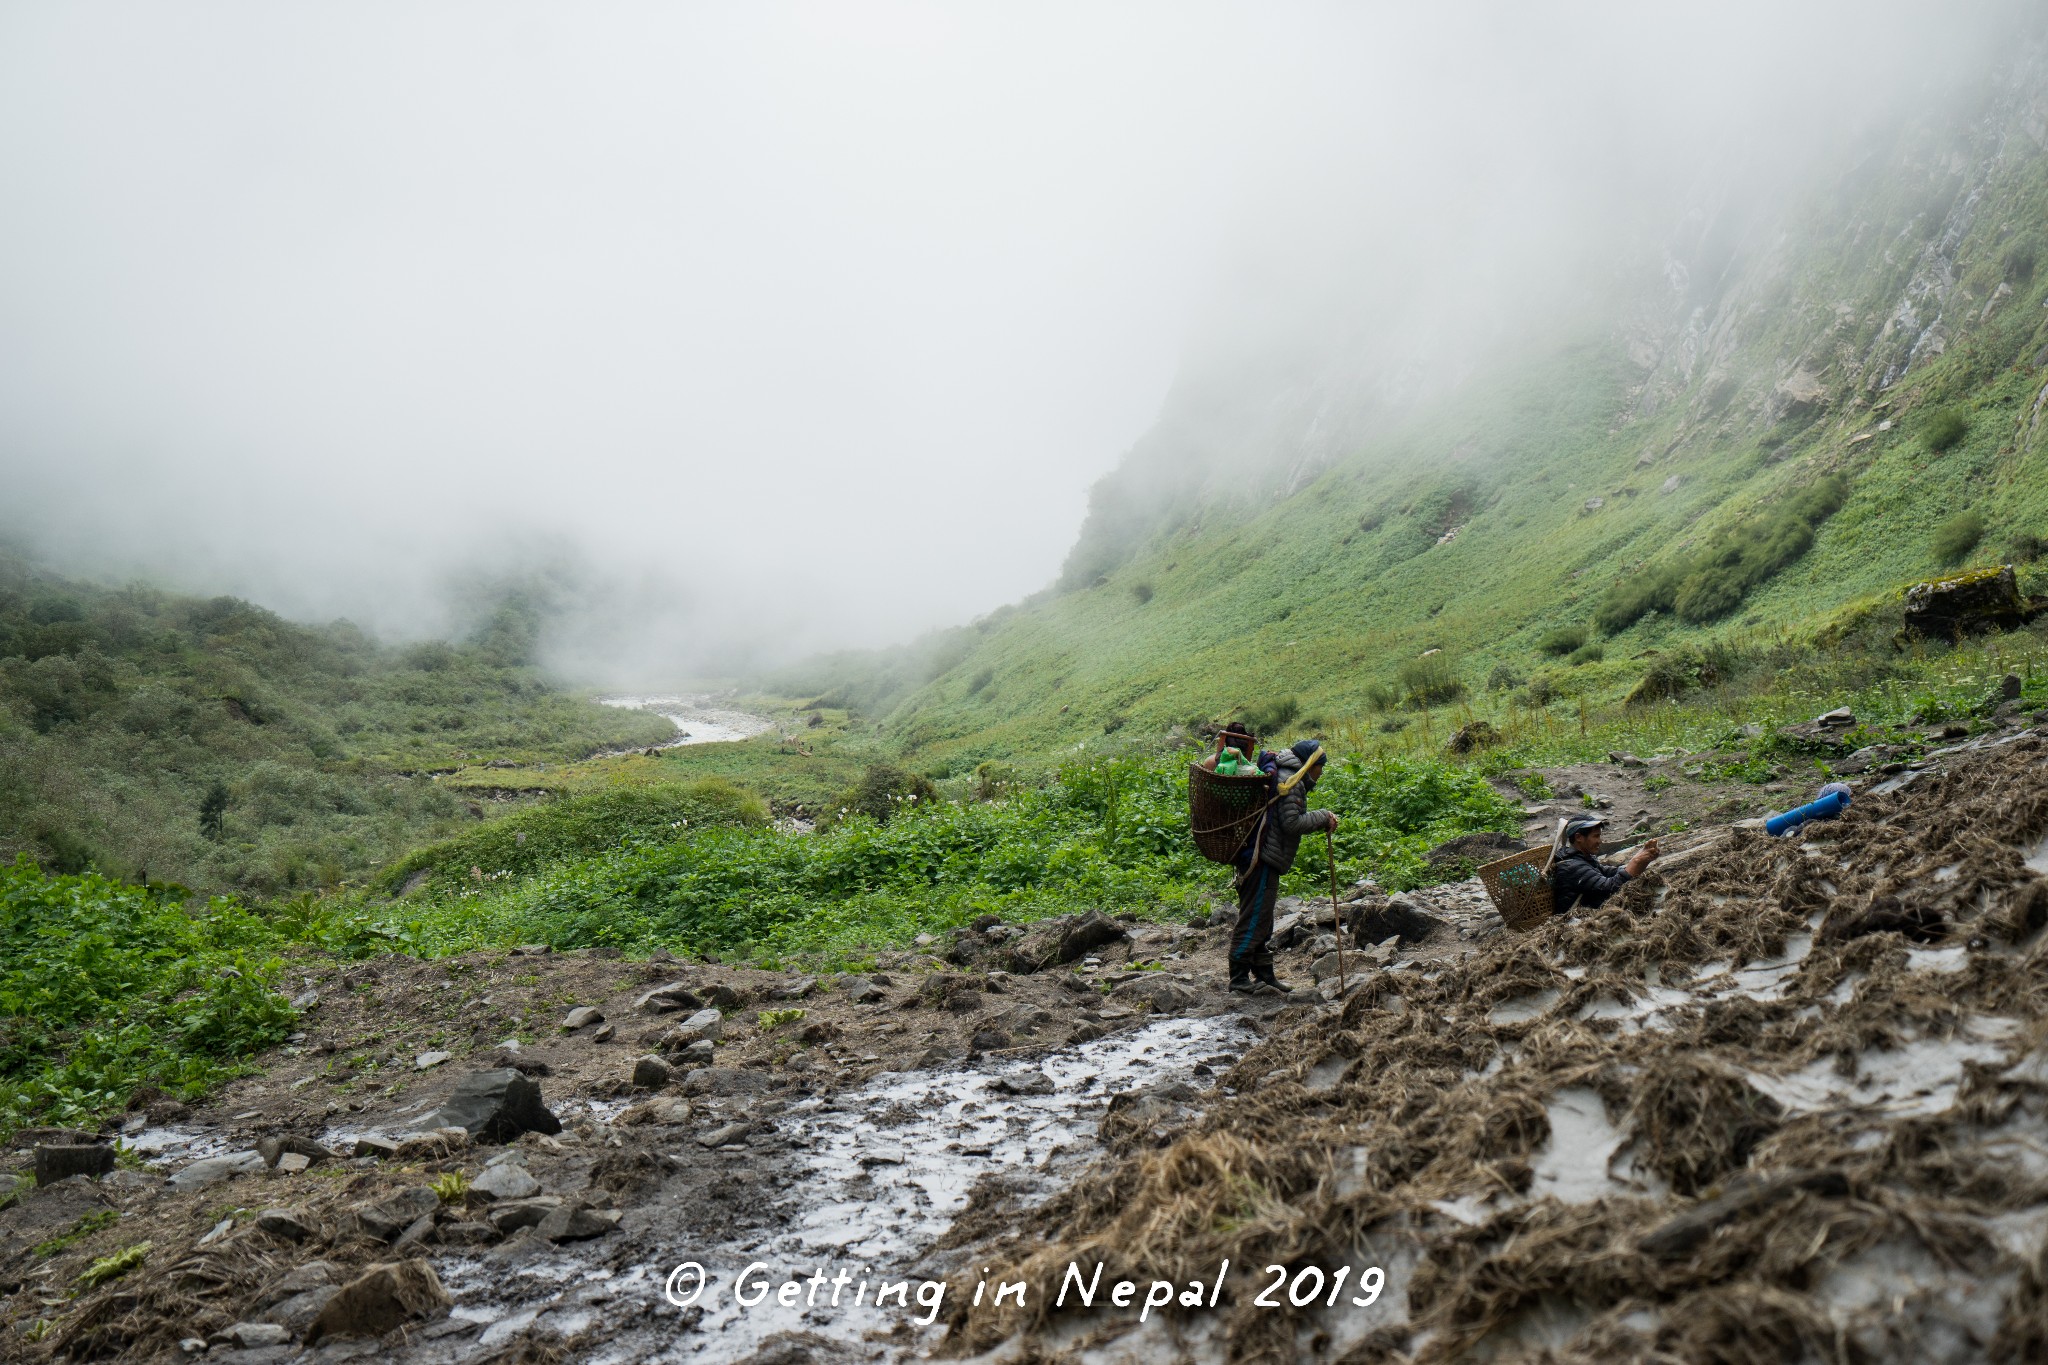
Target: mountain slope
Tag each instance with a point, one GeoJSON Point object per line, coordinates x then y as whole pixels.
{"type": "Point", "coordinates": [1773, 348]}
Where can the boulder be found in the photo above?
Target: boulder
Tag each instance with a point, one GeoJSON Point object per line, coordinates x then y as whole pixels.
{"type": "Point", "coordinates": [297, 1313]}
{"type": "Point", "coordinates": [1969, 603]}
{"type": "Point", "coordinates": [509, 1215]}
{"type": "Point", "coordinates": [577, 1223]}
{"type": "Point", "coordinates": [289, 1223]}
{"type": "Point", "coordinates": [704, 1026]}
{"type": "Point", "coordinates": [668, 999]}
{"type": "Point", "coordinates": [495, 1106]}
{"type": "Point", "coordinates": [1025, 1019]}
{"type": "Point", "coordinates": [1399, 919]}
{"type": "Point", "coordinates": [989, 1040]}
{"type": "Point", "coordinates": [507, 1181]}
{"type": "Point", "coordinates": [215, 1169]}
{"type": "Point", "coordinates": [1163, 993]}
{"type": "Point", "coordinates": [57, 1161]}
{"type": "Point", "coordinates": [726, 1081]}
{"type": "Point", "coordinates": [376, 1145]}
{"type": "Point", "coordinates": [385, 1218]}
{"type": "Point", "coordinates": [250, 1335]}
{"type": "Point", "coordinates": [1062, 939]}
{"type": "Point", "coordinates": [665, 1111]}
{"type": "Point", "coordinates": [861, 991]}
{"type": "Point", "coordinates": [275, 1148]}
{"type": "Point", "coordinates": [652, 1073]}
{"type": "Point", "coordinates": [583, 1016]}
{"type": "Point", "coordinates": [1023, 1083]}
{"type": "Point", "coordinates": [311, 1275]}
{"type": "Point", "coordinates": [427, 1061]}
{"type": "Point", "coordinates": [381, 1298]}
{"type": "Point", "coordinates": [724, 1135]}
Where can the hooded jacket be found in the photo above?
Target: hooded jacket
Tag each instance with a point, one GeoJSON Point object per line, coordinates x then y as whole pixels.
{"type": "Point", "coordinates": [1279, 833]}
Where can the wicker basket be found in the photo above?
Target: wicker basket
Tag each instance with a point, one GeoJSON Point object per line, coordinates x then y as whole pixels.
{"type": "Point", "coordinates": [1223, 810]}
{"type": "Point", "coordinates": [1518, 887]}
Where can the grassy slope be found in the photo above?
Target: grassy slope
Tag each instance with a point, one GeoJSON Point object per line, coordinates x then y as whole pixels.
{"type": "Point", "coordinates": [120, 709]}
{"type": "Point", "coordinates": [1324, 595]}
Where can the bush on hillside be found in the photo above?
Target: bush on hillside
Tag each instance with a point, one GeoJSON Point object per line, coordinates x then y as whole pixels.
{"type": "Point", "coordinates": [577, 827]}
{"type": "Point", "coordinates": [1587, 654]}
{"type": "Point", "coordinates": [2026, 548]}
{"type": "Point", "coordinates": [1142, 591]}
{"type": "Point", "coordinates": [1672, 675]}
{"type": "Point", "coordinates": [1957, 536]}
{"type": "Point", "coordinates": [1430, 681]}
{"type": "Point", "coordinates": [1943, 428]}
{"type": "Point", "coordinates": [1270, 717]}
{"type": "Point", "coordinates": [1505, 677]}
{"type": "Point", "coordinates": [882, 791]}
{"type": "Point", "coordinates": [1711, 582]}
{"type": "Point", "coordinates": [1563, 641]}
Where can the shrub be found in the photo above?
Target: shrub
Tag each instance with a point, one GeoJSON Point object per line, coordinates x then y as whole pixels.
{"type": "Point", "coordinates": [1587, 654]}
{"type": "Point", "coordinates": [980, 680]}
{"type": "Point", "coordinates": [1712, 582]}
{"type": "Point", "coordinates": [1142, 591]}
{"type": "Point", "coordinates": [994, 780]}
{"type": "Point", "coordinates": [1430, 681]}
{"type": "Point", "coordinates": [1504, 678]}
{"type": "Point", "coordinates": [1541, 691]}
{"type": "Point", "coordinates": [1272, 716]}
{"type": "Point", "coordinates": [1563, 641]}
{"type": "Point", "coordinates": [1942, 428]}
{"type": "Point", "coordinates": [1958, 536]}
{"type": "Point", "coordinates": [1672, 675]}
{"type": "Point", "coordinates": [2026, 548]}
{"type": "Point", "coordinates": [882, 791]}
{"type": "Point", "coordinates": [578, 826]}
{"type": "Point", "coordinates": [1382, 696]}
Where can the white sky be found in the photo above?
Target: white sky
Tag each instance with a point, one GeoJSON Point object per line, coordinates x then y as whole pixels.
{"type": "Point", "coordinates": [813, 322]}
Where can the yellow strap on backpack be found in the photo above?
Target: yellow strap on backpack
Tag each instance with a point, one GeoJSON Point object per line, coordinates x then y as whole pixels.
{"type": "Point", "coordinates": [1305, 770]}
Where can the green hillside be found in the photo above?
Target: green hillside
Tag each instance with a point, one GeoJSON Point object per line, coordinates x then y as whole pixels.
{"type": "Point", "coordinates": [1834, 401]}
{"type": "Point", "coordinates": [214, 744]}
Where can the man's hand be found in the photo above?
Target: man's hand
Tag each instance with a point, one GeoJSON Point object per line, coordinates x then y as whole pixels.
{"type": "Point", "coordinates": [1642, 858]}
{"type": "Point", "coordinates": [1333, 820]}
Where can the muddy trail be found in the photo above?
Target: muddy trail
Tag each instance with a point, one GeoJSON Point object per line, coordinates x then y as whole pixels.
{"type": "Point", "coordinates": [1785, 1099]}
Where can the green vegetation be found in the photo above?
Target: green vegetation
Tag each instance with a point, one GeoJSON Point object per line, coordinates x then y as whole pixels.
{"type": "Point", "coordinates": [214, 744]}
{"type": "Point", "coordinates": [1957, 536]}
{"type": "Point", "coordinates": [1108, 833]}
{"type": "Point", "coordinates": [114, 1266]}
{"type": "Point", "coordinates": [1708, 584]}
{"type": "Point", "coordinates": [107, 990]}
{"type": "Point", "coordinates": [883, 791]}
{"type": "Point", "coordinates": [1563, 641]}
{"type": "Point", "coordinates": [1944, 428]}
{"type": "Point", "coordinates": [574, 827]}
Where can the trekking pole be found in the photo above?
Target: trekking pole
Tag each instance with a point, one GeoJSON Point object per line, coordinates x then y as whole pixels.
{"type": "Point", "coordinates": [1330, 847]}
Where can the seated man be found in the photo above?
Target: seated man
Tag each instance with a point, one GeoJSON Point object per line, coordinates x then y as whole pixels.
{"type": "Point", "coordinates": [1578, 877]}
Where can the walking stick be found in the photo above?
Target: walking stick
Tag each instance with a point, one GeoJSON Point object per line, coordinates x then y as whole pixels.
{"type": "Point", "coordinates": [1330, 847]}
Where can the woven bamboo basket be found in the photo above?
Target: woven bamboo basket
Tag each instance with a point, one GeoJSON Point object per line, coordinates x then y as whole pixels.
{"type": "Point", "coordinates": [1223, 810]}
{"type": "Point", "coordinates": [1518, 888]}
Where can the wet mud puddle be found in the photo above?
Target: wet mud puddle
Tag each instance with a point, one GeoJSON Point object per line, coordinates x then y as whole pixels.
{"type": "Point", "coordinates": [880, 1172]}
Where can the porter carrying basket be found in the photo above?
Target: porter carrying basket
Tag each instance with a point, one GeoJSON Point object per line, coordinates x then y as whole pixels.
{"type": "Point", "coordinates": [1222, 811]}
{"type": "Point", "coordinates": [1518, 888]}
